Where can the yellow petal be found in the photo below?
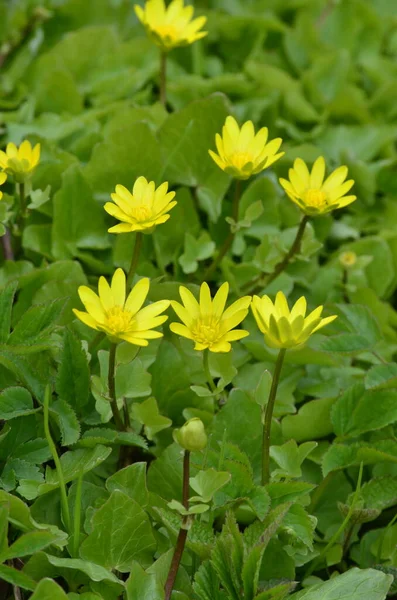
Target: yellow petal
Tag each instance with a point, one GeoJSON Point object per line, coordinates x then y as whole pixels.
{"type": "Point", "coordinates": [236, 334]}
{"type": "Point", "coordinates": [183, 313]}
{"type": "Point", "coordinates": [317, 173]}
{"type": "Point", "coordinates": [3, 177]}
{"type": "Point", "coordinates": [303, 172]}
{"type": "Point", "coordinates": [190, 302]}
{"type": "Point", "coordinates": [241, 304]}
{"type": "Point", "coordinates": [86, 318]}
{"type": "Point", "coordinates": [105, 294]}
{"type": "Point", "coordinates": [281, 305]}
{"type": "Point", "coordinates": [246, 137]}
{"type": "Point", "coordinates": [221, 346]}
{"type": "Point", "coordinates": [232, 129]}
{"type": "Point", "coordinates": [181, 330]}
{"type": "Point", "coordinates": [299, 308]}
{"type": "Point", "coordinates": [219, 302]}
{"type": "Point", "coordinates": [335, 179]}
{"type": "Point", "coordinates": [11, 150]}
{"type": "Point", "coordinates": [119, 287]}
{"type": "Point", "coordinates": [325, 322]}
{"type": "Point", "coordinates": [340, 191]}
{"type": "Point", "coordinates": [129, 337]}
{"type": "Point", "coordinates": [233, 321]}
{"type": "Point", "coordinates": [151, 311]}
{"type": "Point", "coordinates": [123, 228]}
{"type": "Point", "coordinates": [137, 295]}
{"type": "Point", "coordinates": [91, 303]}
{"type": "Point", "coordinates": [205, 299]}
{"type": "Point", "coordinates": [219, 161]}
{"type": "Point", "coordinates": [345, 201]}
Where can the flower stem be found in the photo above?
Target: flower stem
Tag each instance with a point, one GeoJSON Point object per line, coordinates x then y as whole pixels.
{"type": "Point", "coordinates": [283, 264]}
{"type": "Point", "coordinates": [163, 78]}
{"type": "Point", "coordinates": [135, 258]}
{"type": "Point", "coordinates": [6, 244]}
{"type": "Point", "coordinates": [55, 457]}
{"type": "Point", "coordinates": [22, 200]}
{"type": "Point", "coordinates": [229, 240]}
{"type": "Point", "coordinates": [267, 425]}
{"type": "Point", "coordinates": [112, 388]}
{"type": "Point", "coordinates": [77, 516]}
{"type": "Point", "coordinates": [180, 543]}
{"type": "Point", "coordinates": [207, 371]}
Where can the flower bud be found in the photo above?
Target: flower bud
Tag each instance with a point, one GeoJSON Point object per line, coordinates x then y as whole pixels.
{"type": "Point", "coordinates": [191, 436]}
{"type": "Point", "coordinates": [348, 259]}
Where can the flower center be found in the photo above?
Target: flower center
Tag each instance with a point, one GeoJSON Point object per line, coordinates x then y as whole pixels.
{"type": "Point", "coordinates": [167, 31]}
{"type": "Point", "coordinates": [315, 199]}
{"type": "Point", "coordinates": [206, 330]}
{"type": "Point", "coordinates": [118, 319]}
{"type": "Point", "coordinates": [240, 159]}
{"type": "Point", "coordinates": [141, 213]}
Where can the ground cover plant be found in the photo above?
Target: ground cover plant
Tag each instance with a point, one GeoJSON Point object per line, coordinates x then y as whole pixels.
{"type": "Point", "coordinates": [198, 393]}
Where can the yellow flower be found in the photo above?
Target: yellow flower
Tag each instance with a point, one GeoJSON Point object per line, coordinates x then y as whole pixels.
{"type": "Point", "coordinates": [283, 328]}
{"type": "Point", "coordinates": [348, 259]}
{"type": "Point", "coordinates": [207, 322]}
{"type": "Point", "coordinates": [311, 193]}
{"type": "Point", "coordinates": [241, 153]}
{"type": "Point", "coordinates": [173, 26]}
{"type": "Point", "coordinates": [142, 210]}
{"type": "Point", "coordinates": [118, 317]}
{"type": "Point", "coordinates": [20, 162]}
{"type": "Point", "coordinates": [3, 178]}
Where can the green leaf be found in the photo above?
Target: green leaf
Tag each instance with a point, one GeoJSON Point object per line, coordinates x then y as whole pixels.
{"type": "Point", "coordinates": [358, 410]}
{"type": "Point", "coordinates": [73, 378]}
{"type": "Point", "coordinates": [48, 589]}
{"type": "Point", "coordinates": [94, 571]}
{"type": "Point", "coordinates": [15, 577]}
{"type": "Point", "coordinates": [143, 586]}
{"type": "Point", "coordinates": [290, 457]}
{"type": "Point", "coordinates": [132, 482]}
{"type": "Point", "coordinates": [380, 492]}
{"type": "Point", "coordinates": [196, 250]}
{"type": "Point", "coordinates": [148, 414]}
{"type": "Point", "coordinates": [79, 222]}
{"type": "Point", "coordinates": [185, 139]}
{"type": "Point", "coordinates": [113, 162]}
{"type": "Point", "coordinates": [313, 421]}
{"type": "Point", "coordinates": [381, 377]}
{"type": "Point", "coordinates": [67, 422]}
{"type": "Point", "coordinates": [36, 322]}
{"type": "Point", "coordinates": [354, 585]}
{"type": "Point", "coordinates": [363, 327]}
{"type": "Point", "coordinates": [6, 302]}
{"type": "Point", "coordinates": [74, 463]}
{"type": "Point", "coordinates": [132, 380]}
{"type": "Point", "coordinates": [128, 533]}
{"type": "Point", "coordinates": [4, 516]}
{"type": "Point", "coordinates": [29, 543]}
{"type": "Point", "coordinates": [207, 483]}
{"type": "Point", "coordinates": [15, 402]}
{"type": "Point", "coordinates": [340, 456]}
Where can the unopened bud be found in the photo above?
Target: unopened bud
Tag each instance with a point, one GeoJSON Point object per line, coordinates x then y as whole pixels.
{"type": "Point", "coordinates": [191, 436]}
{"type": "Point", "coordinates": [348, 259]}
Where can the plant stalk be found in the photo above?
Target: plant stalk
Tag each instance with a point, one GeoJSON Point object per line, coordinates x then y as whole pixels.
{"type": "Point", "coordinates": [283, 264]}
{"type": "Point", "coordinates": [55, 457]}
{"type": "Point", "coordinates": [6, 244]}
{"type": "Point", "coordinates": [181, 541]}
{"type": "Point", "coordinates": [229, 240]}
{"type": "Point", "coordinates": [112, 388]}
{"type": "Point", "coordinates": [22, 200]}
{"type": "Point", "coordinates": [207, 371]}
{"type": "Point", "coordinates": [135, 258]}
{"type": "Point", "coordinates": [267, 425]}
{"type": "Point", "coordinates": [163, 78]}
{"type": "Point", "coordinates": [77, 516]}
